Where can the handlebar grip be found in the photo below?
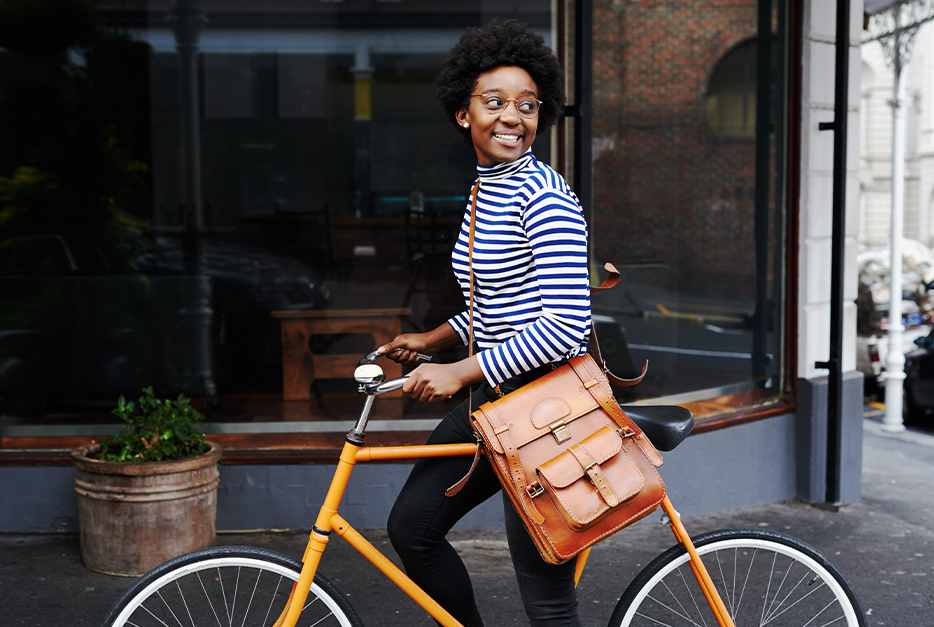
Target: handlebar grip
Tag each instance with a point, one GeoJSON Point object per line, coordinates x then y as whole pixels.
{"type": "Point", "coordinates": [388, 386]}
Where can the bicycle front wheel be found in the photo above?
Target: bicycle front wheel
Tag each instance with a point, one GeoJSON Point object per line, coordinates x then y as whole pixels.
{"type": "Point", "coordinates": [230, 585]}
{"type": "Point", "coordinates": [764, 578]}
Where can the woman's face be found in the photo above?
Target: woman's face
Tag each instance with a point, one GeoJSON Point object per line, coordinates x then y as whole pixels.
{"type": "Point", "coordinates": [503, 136]}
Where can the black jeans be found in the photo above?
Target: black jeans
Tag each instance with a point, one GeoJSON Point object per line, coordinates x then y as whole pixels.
{"type": "Point", "coordinates": [422, 516]}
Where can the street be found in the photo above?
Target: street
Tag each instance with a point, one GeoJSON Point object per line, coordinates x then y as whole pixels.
{"type": "Point", "coordinates": [883, 544]}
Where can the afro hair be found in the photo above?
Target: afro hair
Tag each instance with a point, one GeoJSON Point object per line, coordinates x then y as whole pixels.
{"type": "Point", "coordinates": [499, 44]}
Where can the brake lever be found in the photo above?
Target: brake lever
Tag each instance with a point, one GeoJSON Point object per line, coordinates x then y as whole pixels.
{"type": "Point", "coordinates": [369, 358]}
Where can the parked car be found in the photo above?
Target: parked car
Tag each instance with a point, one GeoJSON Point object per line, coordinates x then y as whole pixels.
{"type": "Point", "coordinates": [872, 352]}
{"type": "Point", "coordinates": [919, 382]}
{"type": "Point", "coordinates": [872, 304]}
{"type": "Point", "coordinates": [96, 313]}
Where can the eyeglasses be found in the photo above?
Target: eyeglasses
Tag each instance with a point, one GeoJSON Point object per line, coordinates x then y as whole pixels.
{"type": "Point", "coordinates": [526, 105]}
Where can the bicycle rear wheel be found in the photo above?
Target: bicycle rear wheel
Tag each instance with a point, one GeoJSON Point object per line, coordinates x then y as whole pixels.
{"type": "Point", "coordinates": [764, 578]}
{"type": "Point", "coordinates": [230, 585]}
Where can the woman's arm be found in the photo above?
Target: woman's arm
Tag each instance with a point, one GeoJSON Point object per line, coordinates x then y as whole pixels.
{"type": "Point", "coordinates": [430, 383]}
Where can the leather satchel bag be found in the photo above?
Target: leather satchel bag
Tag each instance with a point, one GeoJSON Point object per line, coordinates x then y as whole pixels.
{"type": "Point", "coordinates": [576, 468]}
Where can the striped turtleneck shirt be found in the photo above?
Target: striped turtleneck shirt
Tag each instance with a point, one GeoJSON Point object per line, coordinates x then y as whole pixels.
{"type": "Point", "coordinates": [532, 291]}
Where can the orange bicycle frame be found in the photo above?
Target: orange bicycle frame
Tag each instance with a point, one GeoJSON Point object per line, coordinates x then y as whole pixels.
{"type": "Point", "coordinates": [329, 521]}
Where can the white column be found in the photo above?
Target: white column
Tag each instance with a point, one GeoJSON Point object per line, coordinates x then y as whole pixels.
{"type": "Point", "coordinates": [895, 359]}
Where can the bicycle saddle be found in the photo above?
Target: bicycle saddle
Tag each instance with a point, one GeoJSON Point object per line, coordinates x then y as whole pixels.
{"type": "Point", "coordinates": [665, 425]}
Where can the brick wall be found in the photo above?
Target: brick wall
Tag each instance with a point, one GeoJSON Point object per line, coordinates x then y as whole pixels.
{"type": "Point", "coordinates": [665, 189]}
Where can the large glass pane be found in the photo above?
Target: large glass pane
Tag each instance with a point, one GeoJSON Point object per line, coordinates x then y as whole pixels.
{"type": "Point", "coordinates": [688, 179]}
{"type": "Point", "coordinates": [231, 200]}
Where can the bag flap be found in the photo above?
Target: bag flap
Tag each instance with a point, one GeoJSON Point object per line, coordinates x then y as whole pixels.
{"type": "Point", "coordinates": [565, 469]}
{"type": "Point", "coordinates": [533, 408]}
{"type": "Point", "coordinates": [550, 410]}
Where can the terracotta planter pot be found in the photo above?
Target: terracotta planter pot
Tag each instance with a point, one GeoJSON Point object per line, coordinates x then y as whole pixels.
{"type": "Point", "coordinates": [133, 517]}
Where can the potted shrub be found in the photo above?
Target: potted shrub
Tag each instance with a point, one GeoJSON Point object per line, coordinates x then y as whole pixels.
{"type": "Point", "coordinates": [149, 492]}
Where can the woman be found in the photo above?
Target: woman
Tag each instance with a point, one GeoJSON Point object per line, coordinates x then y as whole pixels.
{"type": "Point", "coordinates": [500, 85]}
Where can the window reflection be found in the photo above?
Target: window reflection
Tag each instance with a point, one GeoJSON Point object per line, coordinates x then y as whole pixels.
{"type": "Point", "coordinates": [694, 223]}
{"type": "Point", "coordinates": [731, 92]}
{"type": "Point", "coordinates": [181, 177]}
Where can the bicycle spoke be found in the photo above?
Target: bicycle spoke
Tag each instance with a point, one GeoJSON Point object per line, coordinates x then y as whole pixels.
{"type": "Point", "coordinates": [691, 594]}
{"type": "Point", "coordinates": [233, 604]}
{"type": "Point", "coordinates": [178, 586]}
{"type": "Point", "coordinates": [782, 585]}
{"type": "Point", "coordinates": [746, 579]}
{"type": "Point", "coordinates": [670, 609]}
{"type": "Point", "coordinates": [723, 579]}
{"type": "Point", "coordinates": [148, 611]}
{"type": "Point", "coordinates": [249, 605]}
{"type": "Point", "coordinates": [768, 588]}
{"type": "Point", "coordinates": [782, 602]}
{"type": "Point", "coordinates": [170, 610]}
{"type": "Point", "coordinates": [649, 618]}
{"type": "Point", "coordinates": [771, 618]}
{"type": "Point", "coordinates": [272, 600]}
{"type": "Point", "coordinates": [321, 619]}
{"type": "Point", "coordinates": [685, 614]}
{"type": "Point", "coordinates": [210, 602]}
{"type": "Point", "coordinates": [837, 619]}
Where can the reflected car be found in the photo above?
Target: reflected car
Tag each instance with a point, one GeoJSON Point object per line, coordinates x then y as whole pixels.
{"type": "Point", "coordinates": [919, 382]}
{"type": "Point", "coordinates": [94, 314]}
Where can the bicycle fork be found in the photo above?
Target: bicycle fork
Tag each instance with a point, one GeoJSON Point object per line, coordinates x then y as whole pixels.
{"type": "Point", "coordinates": [697, 566]}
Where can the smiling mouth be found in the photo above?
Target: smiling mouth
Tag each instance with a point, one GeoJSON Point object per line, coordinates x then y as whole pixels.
{"type": "Point", "coordinates": [507, 138]}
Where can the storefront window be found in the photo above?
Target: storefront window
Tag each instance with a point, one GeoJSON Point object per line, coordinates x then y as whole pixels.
{"type": "Point", "coordinates": [689, 200]}
{"type": "Point", "coordinates": [235, 201]}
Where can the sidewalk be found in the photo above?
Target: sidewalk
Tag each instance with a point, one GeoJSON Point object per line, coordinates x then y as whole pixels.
{"type": "Point", "coordinates": [884, 545]}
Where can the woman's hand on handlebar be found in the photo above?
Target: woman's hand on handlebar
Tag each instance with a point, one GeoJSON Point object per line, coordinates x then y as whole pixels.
{"type": "Point", "coordinates": [431, 383]}
{"type": "Point", "coordinates": [405, 348]}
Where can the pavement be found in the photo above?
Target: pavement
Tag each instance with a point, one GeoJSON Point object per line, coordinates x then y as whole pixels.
{"type": "Point", "coordinates": [884, 545]}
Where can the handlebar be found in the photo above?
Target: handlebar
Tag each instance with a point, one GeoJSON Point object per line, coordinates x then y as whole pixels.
{"type": "Point", "coordinates": [371, 378]}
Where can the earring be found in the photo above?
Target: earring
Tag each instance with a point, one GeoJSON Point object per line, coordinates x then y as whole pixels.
{"type": "Point", "coordinates": [466, 124]}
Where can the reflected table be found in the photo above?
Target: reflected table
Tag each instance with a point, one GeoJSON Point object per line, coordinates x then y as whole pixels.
{"type": "Point", "coordinates": [300, 366]}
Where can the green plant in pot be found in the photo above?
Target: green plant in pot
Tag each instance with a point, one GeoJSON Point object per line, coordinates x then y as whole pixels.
{"type": "Point", "coordinates": [161, 430]}
{"type": "Point", "coordinates": [149, 492]}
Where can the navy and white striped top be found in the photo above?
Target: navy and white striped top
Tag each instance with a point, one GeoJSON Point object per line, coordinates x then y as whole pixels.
{"type": "Point", "coordinates": [532, 294]}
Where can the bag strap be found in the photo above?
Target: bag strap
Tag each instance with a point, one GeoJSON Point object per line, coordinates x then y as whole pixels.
{"type": "Point", "coordinates": [610, 281]}
{"type": "Point", "coordinates": [608, 403]}
{"type": "Point", "coordinates": [519, 480]}
{"type": "Point", "coordinates": [457, 487]}
{"type": "Point", "coordinates": [470, 242]}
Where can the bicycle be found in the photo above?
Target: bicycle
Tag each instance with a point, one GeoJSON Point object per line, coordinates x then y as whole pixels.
{"type": "Point", "coordinates": [730, 577]}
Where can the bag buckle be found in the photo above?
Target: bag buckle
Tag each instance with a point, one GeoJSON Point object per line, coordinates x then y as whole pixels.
{"type": "Point", "coordinates": [534, 489]}
{"type": "Point", "coordinates": [560, 431]}
{"type": "Point", "coordinates": [626, 432]}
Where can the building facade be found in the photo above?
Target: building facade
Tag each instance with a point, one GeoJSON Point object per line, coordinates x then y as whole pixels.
{"type": "Point", "coordinates": [189, 186]}
{"type": "Point", "coordinates": [876, 144]}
